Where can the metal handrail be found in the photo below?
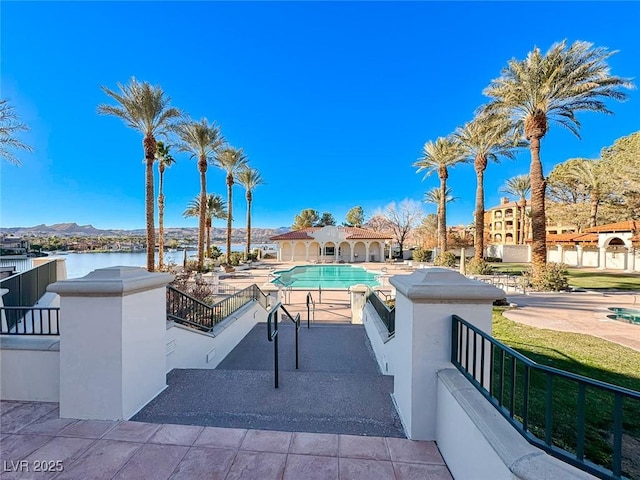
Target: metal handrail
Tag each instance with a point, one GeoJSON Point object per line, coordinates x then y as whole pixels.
{"type": "Point", "coordinates": [386, 314]}
{"type": "Point", "coordinates": [30, 320]}
{"type": "Point", "coordinates": [470, 346]}
{"type": "Point", "coordinates": [272, 336]}
{"type": "Point", "coordinates": [186, 309]}
{"type": "Point", "coordinates": [311, 308]}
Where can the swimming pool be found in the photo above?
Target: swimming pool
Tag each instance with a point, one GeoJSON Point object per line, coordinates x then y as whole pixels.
{"type": "Point", "coordinates": [628, 315]}
{"type": "Point", "coordinates": [325, 276]}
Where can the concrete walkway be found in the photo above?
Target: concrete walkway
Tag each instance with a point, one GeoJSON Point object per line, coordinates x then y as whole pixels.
{"type": "Point", "coordinates": [31, 433]}
{"type": "Point", "coordinates": [578, 312]}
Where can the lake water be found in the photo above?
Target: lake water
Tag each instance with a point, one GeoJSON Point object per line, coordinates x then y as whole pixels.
{"type": "Point", "coordinates": [80, 264]}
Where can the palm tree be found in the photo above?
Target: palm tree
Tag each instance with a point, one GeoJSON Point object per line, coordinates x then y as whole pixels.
{"type": "Point", "coordinates": [144, 108]}
{"type": "Point", "coordinates": [433, 196]}
{"type": "Point", "coordinates": [9, 126]}
{"type": "Point", "coordinates": [589, 174]}
{"type": "Point", "coordinates": [437, 157]}
{"type": "Point", "coordinates": [485, 138]}
{"type": "Point", "coordinates": [249, 178]}
{"type": "Point", "coordinates": [519, 186]}
{"type": "Point", "coordinates": [232, 161]}
{"type": "Point", "coordinates": [202, 140]}
{"type": "Point", "coordinates": [214, 208]}
{"type": "Point", "coordinates": [165, 160]}
{"type": "Point", "coordinates": [554, 86]}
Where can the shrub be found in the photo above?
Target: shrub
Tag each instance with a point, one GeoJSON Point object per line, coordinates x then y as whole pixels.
{"type": "Point", "coordinates": [215, 252]}
{"type": "Point", "coordinates": [478, 267]}
{"type": "Point", "coordinates": [493, 259]}
{"type": "Point", "coordinates": [421, 255]}
{"type": "Point", "coordinates": [236, 258]}
{"type": "Point", "coordinates": [553, 277]}
{"type": "Point", "coordinates": [446, 259]}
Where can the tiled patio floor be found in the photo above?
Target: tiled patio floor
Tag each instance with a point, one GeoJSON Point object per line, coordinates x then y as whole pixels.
{"type": "Point", "coordinates": [31, 434]}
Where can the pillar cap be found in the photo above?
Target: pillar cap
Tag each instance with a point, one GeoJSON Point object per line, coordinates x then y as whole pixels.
{"type": "Point", "coordinates": [441, 285]}
{"type": "Point", "coordinates": [359, 288]}
{"type": "Point", "coordinates": [112, 281]}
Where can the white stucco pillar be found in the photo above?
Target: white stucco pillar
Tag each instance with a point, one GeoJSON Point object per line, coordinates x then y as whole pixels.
{"type": "Point", "coordinates": [602, 258]}
{"type": "Point", "coordinates": [579, 251]}
{"type": "Point", "coordinates": [358, 294]}
{"type": "Point", "coordinates": [366, 251]}
{"type": "Point", "coordinates": [560, 253]}
{"type": "Point", "coordinates": [351, 251]}
{"type": "Point", "coordinates": [629, 260]}
{"type": "Point", "coordinates": [306, 253]}
{"type": "Point", "coordinates": [425, 302]}
{"type": "Point", "coordinates": [113, 339]}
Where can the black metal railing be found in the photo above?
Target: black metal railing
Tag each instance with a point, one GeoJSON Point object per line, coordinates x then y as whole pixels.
{"type": "Point", "coordinates": [553, 409]}
{"type": "Point", "coordinates": [27, 287]}
{"type": "Point", "coordinates": [30, 320]}
{"type": "Point", "coordinates": [185, 309]}
{"type": "Point", "coordinates": [386, 313]}
{"type": "Point", "coordinates": [311, 308]}
{"type": "Point", "coordinates": [272, 336]}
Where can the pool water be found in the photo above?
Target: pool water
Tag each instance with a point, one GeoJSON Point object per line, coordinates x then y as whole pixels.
{"type": "Point", "coordinates": [627, 315]}
{"type": "Point", "coordinates": [325, 276]}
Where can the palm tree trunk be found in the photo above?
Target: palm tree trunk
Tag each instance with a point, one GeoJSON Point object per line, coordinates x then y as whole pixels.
{"type": "Point", "coordinates": [248, 248]}
{"type": "Point", "coordinates": [149, 143]}
{"type": "Point", "coordinates": [442, 216]}
{"type": "Point", "coordinates": [229, 216]}
{"type": "Point", "coordinates": [593, 217]}
{"type": "Point", "coordinates": [161, 220]}
{"type": "Point", "coordinates": [538, 216]}
{"type": "Point", "coordinates": [209, 224]}
{"type": "Point", "coordinates": [202, 166]}
{"type": "Point", "coordinates": [478, 241]}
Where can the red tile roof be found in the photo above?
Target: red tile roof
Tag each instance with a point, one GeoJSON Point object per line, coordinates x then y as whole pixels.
{"type": "Point", "coordinates": [572, 238]}
{"type": "Point", "coordinates": [626, 226]}
{"type": "Point", "coordinates": [351, 233]}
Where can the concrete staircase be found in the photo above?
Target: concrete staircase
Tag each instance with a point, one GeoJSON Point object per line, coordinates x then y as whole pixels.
{"type": "Point", "coordinates": [337, 389]}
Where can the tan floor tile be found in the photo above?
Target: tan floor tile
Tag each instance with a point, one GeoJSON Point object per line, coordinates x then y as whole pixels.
{"type": "Point", "coordinates": [132, 432]}
{"type": "Point", "coordinates": [266, 441]}
{"type": "Point", "coordinates": [220, 437]}
{"type": "Point", "coordinates": [88, 428]}
{"type": "Point", "coordinates": [176, 434]}
{"type": "Point", "coordinates": [101, 461]}
{"type": "Point", "coordinates": [372, 448]}
{"type": "Point", "coordinates": [314, 444]}
{"type": "Point", "coordinates": [361, 469]}
{"type": "Point", "coordinates": [414, 471]}
{"type": "Point", "coordinates": [403, 450]}
{"type": "Point", "coordinates": [311, 467]}
{"type": "Point", "coordinates": [152, 461]}
{"type": "Point", "coordinates": [257, 466]}
{"type": "Point", "coordinates": [204, 463]}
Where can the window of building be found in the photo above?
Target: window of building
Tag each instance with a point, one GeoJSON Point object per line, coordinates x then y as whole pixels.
{"type": "Point", "coordinates": [330, 251]}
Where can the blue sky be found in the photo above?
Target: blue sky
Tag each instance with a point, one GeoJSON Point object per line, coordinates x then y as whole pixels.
{"type": "Point", "coordinates": [331, 101]}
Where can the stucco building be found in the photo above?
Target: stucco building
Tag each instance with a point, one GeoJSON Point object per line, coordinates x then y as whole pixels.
{"type": "Point", "coordinates": [332, 244]}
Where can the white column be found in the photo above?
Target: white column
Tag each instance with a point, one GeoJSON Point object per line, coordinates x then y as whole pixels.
{"type": "Point", "coordinates": [306, 257]}
{"type": "Point", "coordinates": [293, 251]}
{"type": "Point", "coordinates": [560, 253]}
{"type": "Point", "coordinates": [357, 300]}
{"type": "Point", "coordinates": [629, 260]}
{"type": "Point", "coordinates": [366, 251]}
{"type": "Point", "coordinates": [578, 255]}
{"type": "Point", "coordinates": [351, 251]}
{"type": "Point", "coordinates": [113, 339]}
{"type": "Point", "coordinates": [425, 302]}
{"type": "Point", "coordinates": [602, 258]}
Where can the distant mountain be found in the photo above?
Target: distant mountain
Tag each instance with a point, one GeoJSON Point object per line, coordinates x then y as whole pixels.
{"type": "Point", "coordinates": [218, 235]}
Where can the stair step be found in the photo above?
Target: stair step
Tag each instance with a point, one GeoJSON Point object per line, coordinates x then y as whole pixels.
{"type": "Point", "coordinates": [320, 402]}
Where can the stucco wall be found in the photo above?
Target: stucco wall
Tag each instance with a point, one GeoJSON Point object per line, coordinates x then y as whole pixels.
{"type": "Point", "coordinates": [30, 369]}
{"type": "Point", "coordinates": [188, 348]}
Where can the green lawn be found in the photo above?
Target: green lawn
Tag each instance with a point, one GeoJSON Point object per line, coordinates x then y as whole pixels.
{"type": "Point", "coordinates": [584, 355]}
{"type": "Point", "coordinates": [581, 278]}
